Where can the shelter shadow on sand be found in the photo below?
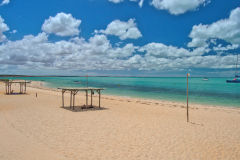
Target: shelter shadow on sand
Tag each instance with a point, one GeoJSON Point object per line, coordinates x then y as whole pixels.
{"type": "Point", "coordinates": [16, 93]}
{"type": "Point", "coordinates": [83, 108]}
{"type": "Point", "coordinates": [199, 124]}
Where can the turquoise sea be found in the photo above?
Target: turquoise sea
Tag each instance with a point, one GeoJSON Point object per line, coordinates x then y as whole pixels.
{"type": "Point", "coordinates": [215, 91]}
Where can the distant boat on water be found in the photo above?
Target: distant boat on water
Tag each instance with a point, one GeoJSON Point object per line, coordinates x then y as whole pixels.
{"type": "Point", "coordinates": [205, 79]}
{"type": "Point", "coordinates": [237, 77]}
{"type": "Point", "coordinates": [235, 80]}
{"type": "Point", "coordinates": [77, 81]}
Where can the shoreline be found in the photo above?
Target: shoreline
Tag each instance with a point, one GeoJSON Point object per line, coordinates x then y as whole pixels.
{"type": "Point", "coordinates": [218, 100]}
{"type": "Point", "coordinates": [42, 85]}
{"type": "Point", "coordinates": [19, 76]}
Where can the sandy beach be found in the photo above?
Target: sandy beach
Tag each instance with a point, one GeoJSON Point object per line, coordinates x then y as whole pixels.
{"type": "Point", "coordinates": [36, 128]}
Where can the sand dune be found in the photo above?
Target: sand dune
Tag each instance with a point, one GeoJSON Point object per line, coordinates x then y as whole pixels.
{"type": "Point", "coordinates": [128, 128]}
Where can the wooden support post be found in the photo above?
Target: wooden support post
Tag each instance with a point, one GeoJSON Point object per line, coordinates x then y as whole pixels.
{"type": "Point", "coordinates": [73, 99]}
{"type": "Point", "coordinates": [6, 87]}
{"type": "Point", "coordinates": [63, 98]}
{"type": "Point", "coordinates": [99, 93]}
{"type": "Point", "coordinates": [86, 98]}
{"type": "Point", "coordinates": [79, 101]}
{"type": "Point", "coordinates": [25, 89]}
{"type": "Point", "coordinates": [70, 99]}
{"type": "Point", "coordinates": [20, 88]}
{"type": "Point", "coordinates": [91, 96]}
{"type": "Point", "coordinates": [10, 88]}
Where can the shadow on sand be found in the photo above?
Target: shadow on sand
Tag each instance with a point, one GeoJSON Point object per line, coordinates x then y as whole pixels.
{"type": "Point", "coordinates": [199, 124]}
{"type": "Point", "coordinates": [16, 93]}
{"type": "Point", "coordinates": [83, 108]}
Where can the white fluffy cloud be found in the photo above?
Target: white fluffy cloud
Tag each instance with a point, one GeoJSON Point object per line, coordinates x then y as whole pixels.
{"type": "Point", "coordinates": [97, 53]}
{"type": "Point", "coordinates": [149, 62]}
{"type": "Point", "coordinates": [27, 50]}
{"type": "Point", "coordinates": [115, 1]}
{"type": "Point", "coordinates": [3, 28]}
{"type": "Point", "coordinates": [160, 50]}
{"type": "Point", "coordinates": [126, 51]}
{"type": "Point", "coordinates": [225, 48]}
{"type": "Point", "coordinates": [62, 25]}
{"type": "Point", "coordinates": [177, 7]}
{"type": "Point", "coordinates": [5, 2]}
{"type": "Point", "coordinates": [174, 7]}
{"type": "Point", "coordinates": [37, 52]}
{"type": "Point", "coordinates": [140, 2]}
{"type": "Point", "coordinates": [13, 31]}
{"type": "Point", "coordinates": [225, 29]}
{"type": "Point", "coordinates": [123, 30]}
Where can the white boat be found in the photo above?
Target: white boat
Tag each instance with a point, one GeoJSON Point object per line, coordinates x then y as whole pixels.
{"type": "Point", "coordinates": [237, 76]}
{"type": "Point", "coordinates": [205, 79]}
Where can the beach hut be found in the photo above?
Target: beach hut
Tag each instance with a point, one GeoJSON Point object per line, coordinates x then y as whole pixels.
{"type": "Point", "coordinates": [74, 91]}
{"type": "Point", "coordinates": [9, 86]}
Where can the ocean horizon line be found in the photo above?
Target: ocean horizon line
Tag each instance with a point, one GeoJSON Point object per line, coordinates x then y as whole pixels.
{"type": "Point", "coordinates": [125, 76]}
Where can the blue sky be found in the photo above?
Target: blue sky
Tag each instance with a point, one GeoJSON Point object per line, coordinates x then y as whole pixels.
{"type": "Point", "coordinates": [119, 37]}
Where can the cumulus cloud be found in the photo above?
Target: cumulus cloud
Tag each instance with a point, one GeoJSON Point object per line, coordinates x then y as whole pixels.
{"type": "Point", "coordinates": [149, 62]}
{"type": "Point", "coordinates": [77, 53]}
{"type": "Point", "coordinates": [97, 53]}
{"type": "Point", "coordinates": [62, 25]}
{"type": "Point", "coordinates": [225, 29]}
{"type": "Point", "coordinates": [160, 50]}
{"type": "Point", "coordinates": [22, 51]}
{"type": "Point", "coordinates": [123, 30]}
{"type": "Point", "coordinates": [123, 52]}
{"type": "Point", "coordinates": [3, 28]}
{"type": "Point", "coordinates": [13, 31]}
{"type": "Point", "coordinates": [174, 7]}
{"type": "Point", "coordinates": [225, 48]}
{"type": "Point", "coordinates": [115, 1]}
{"type": "Point", "coordinates": [177, 7]}
{"type": "Point", "coordinates": [4, 2]}
{"type": "Point", "coordinates": [140, 2]}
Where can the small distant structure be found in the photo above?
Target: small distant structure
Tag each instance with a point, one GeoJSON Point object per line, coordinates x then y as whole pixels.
{"type": "Point", "coordinates": [9, 83]}
{"type": "Point", "coordinates": [74, 91]}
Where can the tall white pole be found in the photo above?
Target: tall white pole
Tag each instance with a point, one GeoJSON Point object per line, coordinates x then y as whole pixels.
{"type": "Point", "coordinates": [87, 80]}
{"type": "Point", "coordinates": [187, 98]}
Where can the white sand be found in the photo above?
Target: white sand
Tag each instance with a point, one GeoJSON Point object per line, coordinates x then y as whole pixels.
{"type": "Point", "coordinates": [38, 128]}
